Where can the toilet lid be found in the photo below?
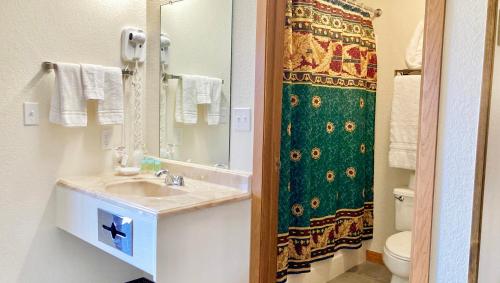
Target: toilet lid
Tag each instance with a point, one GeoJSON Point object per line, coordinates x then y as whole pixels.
{"type": "Point", "coordinates": [399, 245]}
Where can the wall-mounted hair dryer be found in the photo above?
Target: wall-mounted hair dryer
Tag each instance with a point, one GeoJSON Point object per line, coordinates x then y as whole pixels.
{"type": "Point", "coordinates": [164, 46]}
{"type": "Point", "coordinates": [133, 45]}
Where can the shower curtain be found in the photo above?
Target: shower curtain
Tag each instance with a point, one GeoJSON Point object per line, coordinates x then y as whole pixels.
{"type": "Point", "coordinates": [327, 139]}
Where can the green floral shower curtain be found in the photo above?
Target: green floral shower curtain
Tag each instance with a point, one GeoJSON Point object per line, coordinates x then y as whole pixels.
{"type": "Point", "coordinates": [326, 180]}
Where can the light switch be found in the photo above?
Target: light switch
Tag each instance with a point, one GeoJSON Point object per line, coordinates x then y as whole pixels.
{"type": "Point", "coordinates": [242, 119]}
{"type": "Point", "coordinates": [31, 114]}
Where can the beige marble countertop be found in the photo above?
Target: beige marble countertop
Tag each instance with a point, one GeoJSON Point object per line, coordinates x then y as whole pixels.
{"type": "Point", "coordinates": [194, 195]}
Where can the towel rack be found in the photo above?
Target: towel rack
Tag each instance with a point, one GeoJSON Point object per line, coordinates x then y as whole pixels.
{"type": "Point", "coordinates": [52, 66]}
{"type": "Point", "coordinates": [173, 77]}
{"type": "Point", "coordinates": [407, 72]}
{"type": "Point", "coordinates": [170, 2]}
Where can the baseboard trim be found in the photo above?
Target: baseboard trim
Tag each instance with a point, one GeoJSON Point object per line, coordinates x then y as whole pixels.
{"type": "Point", "coordinates": [374, 257]}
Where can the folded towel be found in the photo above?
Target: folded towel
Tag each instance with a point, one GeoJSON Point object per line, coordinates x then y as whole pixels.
{"type": "Point", "coordinates": [414, 51]}
{"type": "Point", "coordinates": [68, 106]}
{"type": "Point", "coordinates": [404, 122]}
{"type": "Point", "coordinates": [186, 99]}
{"type": "Point", "coordinates": [203, 89]}
{"type": "Point", "coordinates": [110, 110]}
{"type": "Point", "coordinates": [216, 110]}
{"type": "Point", "coordinates": [93, 81]}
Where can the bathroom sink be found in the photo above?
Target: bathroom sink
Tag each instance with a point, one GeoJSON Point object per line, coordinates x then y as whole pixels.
{"type": "Point", "coordinates": [141, 188]}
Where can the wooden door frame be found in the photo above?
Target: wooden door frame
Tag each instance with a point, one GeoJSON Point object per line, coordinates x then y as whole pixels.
{"type": "Point", "coordinates": [265, 184]}
{"type": "Point", "coordinates": [267, 137]}
{"type": "Point", "coordinates": [482, 140]}
{"type": "Point", "coordinates": [427, 141]}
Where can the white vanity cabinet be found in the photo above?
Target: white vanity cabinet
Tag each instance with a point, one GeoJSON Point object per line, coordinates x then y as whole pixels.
{"type": "Point", "coordinates": [77, 213]}
{"type": "Point", "coordinates": [206, 243]}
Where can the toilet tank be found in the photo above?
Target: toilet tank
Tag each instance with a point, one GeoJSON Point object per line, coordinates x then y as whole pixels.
{"type": "Point", "coordinates": [404, 208]}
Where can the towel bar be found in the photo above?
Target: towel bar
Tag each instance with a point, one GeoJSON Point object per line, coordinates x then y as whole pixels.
{"type": "Point", "coordinates": [52, 66]}
{"type": "Point", "coordinates": [407, 72]}
{"type": "Point", "coordinates": [173, 77]}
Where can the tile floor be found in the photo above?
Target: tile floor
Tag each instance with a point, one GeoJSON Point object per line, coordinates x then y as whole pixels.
{"type": "Point", "coordinates": [365, 273]}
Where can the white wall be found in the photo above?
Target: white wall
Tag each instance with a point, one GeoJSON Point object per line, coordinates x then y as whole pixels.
{"type": "Point", "coordinates": [457, 141]}
{"type": "Point", "coordinates": [394, 30]}
{"type": "Point", "coordinates": [152, 126]}
{"type": "Point", "coordinates": [32, 248]}
{"type": "Point", "coordinates": [243, 79]}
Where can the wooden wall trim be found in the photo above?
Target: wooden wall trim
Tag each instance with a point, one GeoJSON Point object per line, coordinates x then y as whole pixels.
{"type": "Point", "coordinates": [256, 217]}
{"type": "Point", "coordinates": [481, 152]}
{"type": "Point", "coordinates": [427, 142]}
{"type": "Point", "coordinates": [374, 257]}
{"type": "Point", "coordinates": [265, 183]}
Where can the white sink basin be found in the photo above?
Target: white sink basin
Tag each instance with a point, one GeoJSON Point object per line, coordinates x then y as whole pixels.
{"type": "Point", "coordinates": [142, 188]}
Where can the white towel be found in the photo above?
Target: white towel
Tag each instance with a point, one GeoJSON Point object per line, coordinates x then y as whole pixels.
{"type": "Point", "coordinates": [414, 51]}
{"type": "Point", "coordinates": [216, 110]}
{"type": "Point", "coordinates": [186, 100]}
{"type": "Point", "coordinates": [68, 106]}
{"type": "Point", "coordinates": [110, 110]}
{"type": "Point", "coordinates": [203, 89]}
{"type": "Point", "coordinates": [404, 122]}
{"type": "Point", "coordinates": [93, 81]}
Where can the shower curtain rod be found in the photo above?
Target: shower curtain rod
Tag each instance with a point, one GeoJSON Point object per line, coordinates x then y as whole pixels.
{"type": "Point", "coordinates": [375, 12]}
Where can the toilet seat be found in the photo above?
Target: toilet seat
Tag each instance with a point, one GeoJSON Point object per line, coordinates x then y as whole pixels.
{"type": "Point", "coordinates": [399, 246]}
{"type": "Point", "coordinates": [397, 253]}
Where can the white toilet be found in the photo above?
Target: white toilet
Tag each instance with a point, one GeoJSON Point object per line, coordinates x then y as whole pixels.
{"type": "Point", "coordinates": [397, 248]}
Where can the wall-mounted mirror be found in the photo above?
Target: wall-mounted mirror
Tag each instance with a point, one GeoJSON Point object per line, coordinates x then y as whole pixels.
{"type": "Point", "coordinates": [195, 91]}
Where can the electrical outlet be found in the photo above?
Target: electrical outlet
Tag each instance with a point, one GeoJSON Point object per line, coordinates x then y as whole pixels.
{"type": "Point", "coordinates": [31, 114]}
{"type": "Point", "coordinates": [242, 119]}
{"type": "Point", "coordinates": [106, 137]}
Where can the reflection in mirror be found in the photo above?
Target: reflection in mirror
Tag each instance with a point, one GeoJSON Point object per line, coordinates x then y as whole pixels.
{"type": "Point", "coordinates": [195, 87]}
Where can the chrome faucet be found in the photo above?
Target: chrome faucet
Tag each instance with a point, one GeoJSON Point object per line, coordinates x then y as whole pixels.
{"type": "Point", "coordinates": [170, 179]}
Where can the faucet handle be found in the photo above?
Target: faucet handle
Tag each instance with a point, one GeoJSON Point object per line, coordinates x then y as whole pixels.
{"type": "Point", "coordinates": [178, 180]}
{"type": "Point", "coordinates": [169, 178]}
{"type": "Point", "coordinates": [161, 172]}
